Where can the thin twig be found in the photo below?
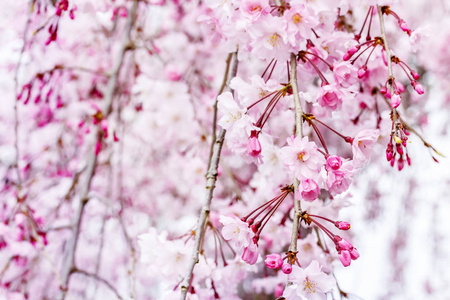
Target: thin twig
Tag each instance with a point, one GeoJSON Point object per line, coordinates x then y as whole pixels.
{"type": "Point", "coordinates": [211, 178]}
{"type": "Point", "coordinates": [389, 62]}
{"type": "Point", "coordinates": [69, 264]}
{"type": "Point", "coordinates": [100, 279]}
{"type": "Point", "coordinates": [16, 113]}
{"type": "Point", "coordinates": [299, 134]}
{"type": "Point", "coordinates": [222, 87]}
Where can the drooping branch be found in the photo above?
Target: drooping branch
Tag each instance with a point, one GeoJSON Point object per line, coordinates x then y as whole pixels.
{"type": "Point", "coordinates": [16, 113]}
{"type": "Point", "coordinates": [389, 62]}
{"type": "Point", "coordinates": [298, 133]}
{"type": "Point", "coordinates": [211, 178]}
{"type": "Point", "coordinates": [69, 264]}
{"type": "Point", "coordinates": [99, 279]}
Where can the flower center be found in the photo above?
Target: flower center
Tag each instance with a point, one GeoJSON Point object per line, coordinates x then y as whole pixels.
{"type": "Point", "coordinates": [273, 39]}
{"type": "Point", "coordinates": [301, 155]}
{"type": "Point", "coordinates": [309, 286]}
{"type": "Point", "coordinates": [256, 8]}
{"type": "Point", "coordinates": [296, 18]}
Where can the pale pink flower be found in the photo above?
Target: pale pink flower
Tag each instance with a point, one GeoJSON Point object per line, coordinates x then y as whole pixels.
{"type": "Point", "coordinates": [345, 73]}
{"type": "Point", "coordinates": [233, 115]}
{"type": "Point", "coordinates": [252, 10]}
{"type": "Point", "coordinates": [362, 146]}
{"type": "Point", "coordinates": [330, 97]}
{"type": "Point", "coordinates": [273, 261]}
{"type": "Point", "coordinates": [300, 20]}
{"type": "Point", "coordinates": [237, 230]}
{"type": "Point", "coordinates": [269, 39]}
{"type": "Point", "coordinates": [302, 157]}
{"type": "Point", "coordinates": [309, 283]}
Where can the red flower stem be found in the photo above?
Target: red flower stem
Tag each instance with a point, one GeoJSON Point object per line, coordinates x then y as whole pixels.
{"type": "Point", "coordinates": [267, 68]}
{"type": "Point", "coordinates": [342, 136]}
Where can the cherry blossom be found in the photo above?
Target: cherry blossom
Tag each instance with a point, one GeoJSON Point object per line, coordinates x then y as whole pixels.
{"type": "Point", "coordinates": [309, 283]}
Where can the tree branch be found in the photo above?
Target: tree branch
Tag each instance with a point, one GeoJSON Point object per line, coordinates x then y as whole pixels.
{"type": "Point", "coordinates": [298, 133]}
{"type": "Point", "coordinates": [100, 279]}
{"type": "Point", "coordinates": [69, 264]}
{"type": "Point", "coordinates": [389, 62]}
{"type": "Point", "coordinates": [211, 178]}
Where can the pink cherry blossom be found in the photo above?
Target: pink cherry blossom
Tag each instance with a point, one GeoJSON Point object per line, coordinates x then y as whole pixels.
{"type": "Point", "coordinates": [309, 283]}
{"type": "Point", "coordinates": [302, 157]}
{"type": "Point", "coordinates": [362, 146]}
{"type": "Point", "coordinates": [345, 73]}
{"type": "Point", "coordinates": [236, 230]}
{"type": "Point", "coordinates": [233, 115]}
{"type": "Point", "coordinates": [330, 97]}
{"type": "Point", "coordinates": [308, 190]}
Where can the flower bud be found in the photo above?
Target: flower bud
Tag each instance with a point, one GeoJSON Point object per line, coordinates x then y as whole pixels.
{"type": "Point", "coordinates": [362, 71]}
{"type": "Point", "coordinates": [342, 225]}
{"type": "Point", "coordinates": [273, 261]}
{"type": "Point", "coordinates": [286, 268]}
{"type": "Point", "coordinates": [396, 100]}
{"type": "Point", "coordinates": [345, 258]}
{"type": "Point", "coordinates": [418, 87]}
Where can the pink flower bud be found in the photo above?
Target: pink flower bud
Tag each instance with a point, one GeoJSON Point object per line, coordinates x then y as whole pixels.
{"type": "Point", "coordinates": [334, 162]}
{"type": "Point", "coordinates": [393, 161]}
{"type": "Point", "coordinates": [399, 149]}
{"type": "Point", "coordinates": [354, 254]}
{"type": "Point", "coordinates": [418, 87]}
{"type": "Point", "coordinates": [353, 49]}
{"type": "Point", "coordinates": [273, 261]}
{"type": "Point", "coordinates": [383, 90]}
{"type": "Point", "coordinates": [286, 268]}
{"type": "Point", "coordinates": [250, 254]}
{"type": "Point", "coordinates": [342, 244]}
{"type": "Point", "coordinates": [342, 225]}
{"type": "Point", "coordinates": [345, 258]}
{"type": "Point", "coordinates": [400, 163]}
{"type": "Point", "coordinates": [404, 26]}
{"type": "Point", "coordinates": [253, 146]}
{"type": "Point", "coordinates": [346, 57]}
{"type": "Point", "coordinates": [408, 160]}
{"type": "Point", "coordinates": [362, 71]}
{"type": "Point", "coordinates": [389, 151]}
{"type": "Point", "coordinates": [415, 75]}
{"type": "Point", "coordinates": [396, 100]}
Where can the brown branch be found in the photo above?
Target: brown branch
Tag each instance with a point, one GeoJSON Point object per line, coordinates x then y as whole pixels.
{"type": "Point", "coordinates": [299, 134]}
{"type": "Point", "coordinates": [69, 263]}
{"type": "Point", "coordinates": [389, 62]}
{"type": "Point", "coordinates": [211, 178]}
{"type": "Point", "coordinates": [98, 278]}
